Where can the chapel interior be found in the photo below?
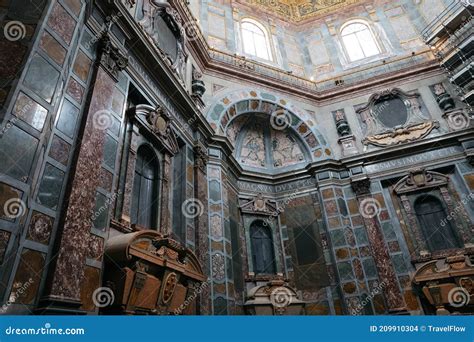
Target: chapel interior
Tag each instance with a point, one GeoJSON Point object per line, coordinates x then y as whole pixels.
{"type": "Point", "coordinates": [236, 157]}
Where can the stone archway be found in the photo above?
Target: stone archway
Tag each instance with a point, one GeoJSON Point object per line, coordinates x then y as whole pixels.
{"type": "Point", "coordinates": [226, 111]}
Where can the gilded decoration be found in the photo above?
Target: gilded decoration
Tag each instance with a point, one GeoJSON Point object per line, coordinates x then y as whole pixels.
{"type": "Point", "coordinates": [299, 10]}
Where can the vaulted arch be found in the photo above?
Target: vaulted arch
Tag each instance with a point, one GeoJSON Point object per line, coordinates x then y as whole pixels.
{"type": "Point", "coordinates": [230, 113]}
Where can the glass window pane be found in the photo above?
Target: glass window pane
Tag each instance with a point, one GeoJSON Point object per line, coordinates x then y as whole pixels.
{"type": "Point", "coordinates": [247, 38]}
{"type": "Point", "coordinates": [255, 41]}
{"type": "Point", "coordinates": [368, 43]}
{"type": "Point", "coordinates": [352, 47]}
{"type": "Point", "coordinates": [353, 28]}
{"type": "Point", "coordinates": [50, 187]}
{"type": "Point", "coordinates": [261, 47]}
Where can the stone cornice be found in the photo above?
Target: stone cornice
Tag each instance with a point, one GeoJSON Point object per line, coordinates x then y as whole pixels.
{"type": "Point", "coordinates": [149, 55]}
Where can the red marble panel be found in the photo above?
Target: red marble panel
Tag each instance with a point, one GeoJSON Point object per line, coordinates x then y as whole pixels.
{"type": "Point", "coordinates": [59, 150]}
{"type": "Point", "coordinates": [68, 275]}
{"type": "Point", "coordinates": [75, 90]}
{"type": "Point", "coordinates": [82, 66]}
{"type": "Point", "coordinates": [96, 247]}
{"type": "Point", "coordinates": [62, 23]}
{"type": "Point", "coordinates": [52, 47]}
{"type": "Point", "coordinates": [74, 5]}
{"type": "Point", "coordinates": [11, 58]}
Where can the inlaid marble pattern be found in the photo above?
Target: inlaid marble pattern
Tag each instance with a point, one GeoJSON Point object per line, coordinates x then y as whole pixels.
{"type": "Point", "coordinates": [62, 23]}
{"type": "Point", "coordinates": [59, 150]}
{"type": "Point", "coordinates": [40, 228]}
{"type": "Point", "coordinates": [52, 47]}
{"type": "Point", "coordinates": [4, 239]}
{"type": "Point", "coordinates": [75, 90]}
{"type": "Point", "coordinates": [30, 111]}
{"type": "Point", "coordinates": [285, 149]}
{"type": "Point", "coordinates": [218, 266]}
{"type": "Point", "coordinates": [253, 148]}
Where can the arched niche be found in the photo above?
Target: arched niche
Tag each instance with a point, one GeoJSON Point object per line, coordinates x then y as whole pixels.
{"type": "Point", "coordinates": [228, 112]}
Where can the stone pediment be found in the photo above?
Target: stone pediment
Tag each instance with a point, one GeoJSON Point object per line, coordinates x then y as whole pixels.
{"type": "Point", "coordinates": [158, 121]}
{"type": "Point", "coordinates": [420, 179]}
{"type": "Point", "coordinates": [260, 205]}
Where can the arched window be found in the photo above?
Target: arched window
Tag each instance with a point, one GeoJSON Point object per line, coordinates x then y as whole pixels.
{"type": "Point", "coordinates": [437, 229]}
{"type": "Point", "coordinates": [359, 41]}
{"type": "Point", "coordinates": [255, 40]}
{"type": "Point", "coordinates": [263, 255]}
{"type": "Point", "coordinates": [145, 189]}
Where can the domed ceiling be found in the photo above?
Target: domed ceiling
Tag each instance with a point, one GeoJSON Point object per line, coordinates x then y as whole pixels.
{"type": "Point", "coordinates": [261, 147]}
{"type": "Point", "coordinates": [298, 10]}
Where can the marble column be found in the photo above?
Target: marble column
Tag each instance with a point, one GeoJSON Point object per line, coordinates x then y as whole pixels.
{"type": "Point", "coordinates": [66, 273]}
{"type": "Point", "coordinates": [380, 253]}
{"type": "Point", "coordinates": [202, 224]}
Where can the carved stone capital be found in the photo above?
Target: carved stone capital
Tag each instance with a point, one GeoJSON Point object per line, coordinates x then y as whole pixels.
{"type": "Point", "coordinates": [361, 187]}
{"type": "Point", "coordinates": [111, 58]}
{"type": "Point", "coordinates": [201, 156]}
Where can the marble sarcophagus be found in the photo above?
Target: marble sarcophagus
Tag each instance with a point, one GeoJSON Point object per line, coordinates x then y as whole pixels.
{"type": "Point", "coordinates": [152, 275]}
